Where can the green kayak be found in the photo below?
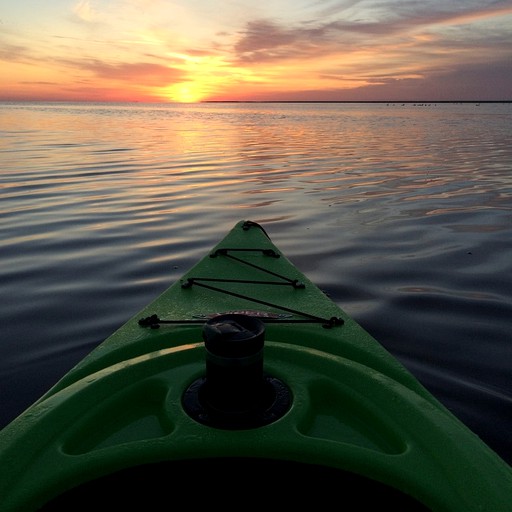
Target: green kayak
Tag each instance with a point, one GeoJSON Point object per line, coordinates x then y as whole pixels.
{"type": "Point", "coordinates": [244, 384]}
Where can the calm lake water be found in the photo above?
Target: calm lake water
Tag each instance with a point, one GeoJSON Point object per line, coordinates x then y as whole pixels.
{"type": "Point", "coordinates": [402, 213]}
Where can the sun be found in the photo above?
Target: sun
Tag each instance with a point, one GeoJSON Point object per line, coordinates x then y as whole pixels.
{"type": "Point", "coordinates": [185, 92]}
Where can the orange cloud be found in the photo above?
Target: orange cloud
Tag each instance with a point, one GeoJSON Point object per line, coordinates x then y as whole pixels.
{"type": "Point", "coordinates": [142, 73]}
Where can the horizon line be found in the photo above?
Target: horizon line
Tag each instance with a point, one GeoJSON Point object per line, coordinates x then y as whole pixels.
{"type": "Point", "coordinates": [12, 100]}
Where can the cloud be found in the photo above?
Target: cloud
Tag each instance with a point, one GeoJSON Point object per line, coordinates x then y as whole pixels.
{"type": "Point", "coordinates": [465, 83]}
{"type": "Point", "coordinates": [14, 53]}
{"type": "Point", "coordinates": [84, 11]}
{"type": "Point", "coordinates": [38, 82]}
{"type": "Point", "coordinates": [407, 40]}
{"type": "Point", "coordinates": [265, 40]}
{"type": "Point", "coordinates": [142, 73]}
{"type": "Point", "coordinates": [264, 34]}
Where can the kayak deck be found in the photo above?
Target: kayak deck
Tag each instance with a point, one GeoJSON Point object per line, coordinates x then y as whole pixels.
{"type": "Point", "coordinates": [348, 416]}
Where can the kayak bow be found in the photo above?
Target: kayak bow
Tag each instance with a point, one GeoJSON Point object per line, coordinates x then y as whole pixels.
{"type": "Point", "coordinates": [243, 368]}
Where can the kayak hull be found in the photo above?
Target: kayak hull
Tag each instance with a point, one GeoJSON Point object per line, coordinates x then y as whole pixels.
{"type": "Point", "coordinates": [341, 414]}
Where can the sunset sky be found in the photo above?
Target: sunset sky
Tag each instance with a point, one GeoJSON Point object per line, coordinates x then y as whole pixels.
{"type": "Point", "coordinates": [247, 50]}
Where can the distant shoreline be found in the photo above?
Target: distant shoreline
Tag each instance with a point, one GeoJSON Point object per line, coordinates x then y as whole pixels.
{"type": "Point", "coordinates": [422, 102]}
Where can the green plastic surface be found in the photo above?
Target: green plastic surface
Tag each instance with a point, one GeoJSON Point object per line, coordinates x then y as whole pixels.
{"type": "Point", "coordinates": [354, 407]}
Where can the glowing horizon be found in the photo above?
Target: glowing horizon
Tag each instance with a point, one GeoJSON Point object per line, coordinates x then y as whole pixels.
{"type": "Point", "coordinates": [162, 51]}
